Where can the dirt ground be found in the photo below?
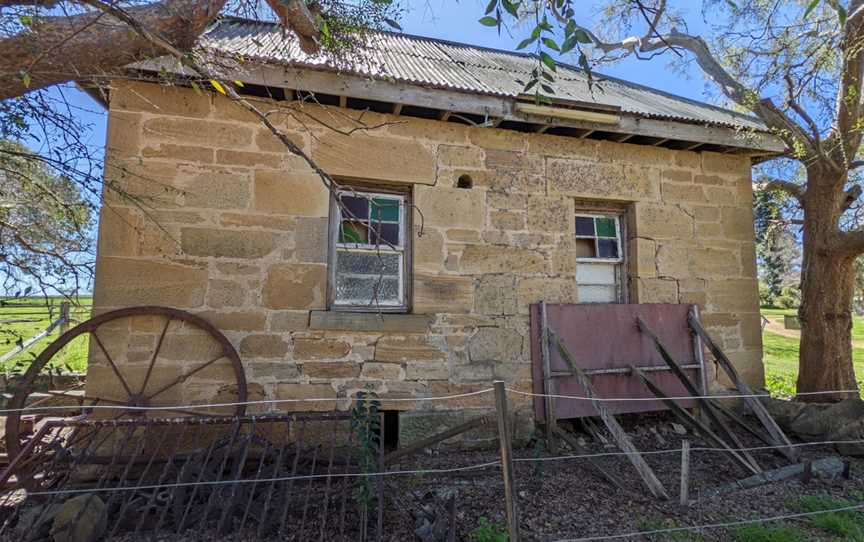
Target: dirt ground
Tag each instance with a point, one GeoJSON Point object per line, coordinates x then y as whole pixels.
{"type": "Point", "coordinates": [563, 499]}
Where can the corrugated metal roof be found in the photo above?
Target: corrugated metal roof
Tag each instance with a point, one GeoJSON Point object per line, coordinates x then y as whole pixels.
{"type": "Point", "coordinates": [460, 67]}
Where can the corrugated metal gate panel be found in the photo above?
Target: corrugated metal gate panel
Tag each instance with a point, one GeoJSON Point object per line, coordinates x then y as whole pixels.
{"type": "Point", "coordinates": [605, 336]}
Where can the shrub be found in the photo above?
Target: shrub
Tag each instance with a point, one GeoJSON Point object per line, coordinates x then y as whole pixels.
{"type": "Point", "coordinates": [487, 531]}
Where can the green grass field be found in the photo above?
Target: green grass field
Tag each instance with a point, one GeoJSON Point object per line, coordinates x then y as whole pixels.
{"type": "Point", "coordinates": [780, 355]}
{"type": "Point", "coordinates": [19, 321]}
{"type": "Point", "coordinates": [857, 321]}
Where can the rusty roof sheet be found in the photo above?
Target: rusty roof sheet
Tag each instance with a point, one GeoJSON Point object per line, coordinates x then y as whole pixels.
{"type": "Point", "coordinates": [460, 67]}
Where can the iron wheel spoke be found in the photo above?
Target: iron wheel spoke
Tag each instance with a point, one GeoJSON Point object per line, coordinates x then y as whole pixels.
{"type": "Point", "coordinates": [111, 362]}
{"type": "Point", "coordinates": [155, 354]}
{"type": "Point", "coordinates": [182, 378]}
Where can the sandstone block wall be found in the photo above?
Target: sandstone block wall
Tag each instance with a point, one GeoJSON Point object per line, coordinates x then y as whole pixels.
{"type": "Point", "coordinates": [235, 229]}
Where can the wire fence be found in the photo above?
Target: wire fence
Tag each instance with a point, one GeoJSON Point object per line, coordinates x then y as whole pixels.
{"type": "Point", "coordinates": [263, 402]}
{"type": "Point", "coordinates": [384, 470]}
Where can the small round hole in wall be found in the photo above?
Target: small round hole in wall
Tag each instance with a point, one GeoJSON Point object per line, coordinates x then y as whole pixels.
{"type": "Point", "coordinates": [464, 181]}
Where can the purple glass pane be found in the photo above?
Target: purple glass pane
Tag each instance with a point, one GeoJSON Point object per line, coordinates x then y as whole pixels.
{"type": "Point", "coordinates": [608, 248]}
{"type": "Point", "coordinates": [585, 225]}
{"type": "Point", "coordinates": [357, 208]}
{"type": "Point", "coordinates": [388, 233]}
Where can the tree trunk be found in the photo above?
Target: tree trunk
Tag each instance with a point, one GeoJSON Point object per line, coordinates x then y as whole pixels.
{"type": "Point", "coordinates": [827, 285]}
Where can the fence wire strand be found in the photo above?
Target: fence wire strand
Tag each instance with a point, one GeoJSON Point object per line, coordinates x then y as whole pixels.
{"type": "Point", "coordinates": [679, 398]}
{"type": "Point", "coordinates": [49, 408]}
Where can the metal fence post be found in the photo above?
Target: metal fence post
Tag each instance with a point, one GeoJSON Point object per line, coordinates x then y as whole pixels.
{"type": "Point", "coordinates": [506, 460]}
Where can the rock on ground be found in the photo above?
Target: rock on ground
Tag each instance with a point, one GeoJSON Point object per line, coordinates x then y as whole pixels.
{"type": "Point", "coordinates": [80, 519]}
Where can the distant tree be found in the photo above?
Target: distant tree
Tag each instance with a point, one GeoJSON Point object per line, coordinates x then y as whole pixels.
{"type": "Point", "coordinates": [777, 250]}
{"type": "Point", "coordinates": [46, 238]}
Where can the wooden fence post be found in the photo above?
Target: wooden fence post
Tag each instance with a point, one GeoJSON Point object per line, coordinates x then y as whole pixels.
{"type": "Point", "coordinates": [548, 383]}
{"type": "Point", "coordinates": [506, 460]}
{"type": "Point", "coordinates": [685, 472]}
{"type": "Point", "coordinates": [64, 316]}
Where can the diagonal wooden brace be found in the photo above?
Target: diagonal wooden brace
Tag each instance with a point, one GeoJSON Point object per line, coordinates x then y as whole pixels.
{"type": "Point", "coordinates": [758, 409]}
{"type": "Point", "coordinates": [648, 477]}
{"type": "Point", "coordinates": [706, 405]}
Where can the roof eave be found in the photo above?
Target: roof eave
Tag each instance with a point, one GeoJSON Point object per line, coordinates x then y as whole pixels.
{"type": "Point", "coordinates": [324, 80]}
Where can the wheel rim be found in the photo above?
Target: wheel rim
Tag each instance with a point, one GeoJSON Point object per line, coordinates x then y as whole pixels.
{"type": "Point", "coordinates": [137, 396]}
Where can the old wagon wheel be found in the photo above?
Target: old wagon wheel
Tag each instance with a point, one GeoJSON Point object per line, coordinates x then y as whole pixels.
{"type": "Point", "coordinates": [128, 352]}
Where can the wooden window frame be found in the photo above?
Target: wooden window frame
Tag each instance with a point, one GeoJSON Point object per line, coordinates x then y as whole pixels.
{"type": "Point", "coordinates": [620, 263]}
{"type": "Point", "coordinates": [406, 235]}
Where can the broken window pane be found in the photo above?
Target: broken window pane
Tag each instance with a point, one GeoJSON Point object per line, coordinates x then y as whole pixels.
{"type": "Point", "coordinates": [585, 248]}
{"type": "Point", "coordinates": [352, 231]}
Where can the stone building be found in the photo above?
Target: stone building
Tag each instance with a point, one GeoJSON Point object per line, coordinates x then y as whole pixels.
{"type": "Point", "coordinates": [464, 204]}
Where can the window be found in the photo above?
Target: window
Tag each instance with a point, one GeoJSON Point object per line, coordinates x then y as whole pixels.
{"type": "Point", "coordinates": [599, 258]}
{"type": "Point", "coordinates": [368, 249]}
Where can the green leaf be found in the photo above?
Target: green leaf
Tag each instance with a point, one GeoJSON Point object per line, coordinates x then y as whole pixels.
{"type": "Point", "coordinates": [529, 86]}
{"type": "Point", "coordinates": [393, 24]}
{"type": "Point", "coordinates": [489, 21]}
{"type": "Point", "coordinates": [570, 28]}
{"type": "Point", "coordinates": [511, 7]}
{"type": "Point", "coordinates": [810, 7]}
{"type": "Point", "coordinates": [536, 32]}
{"type": "Point", "coordinates": [550, 43]}
{"type": "Point", "coordinates": [841, 14]}
{"type": "Point", "coordinates": [582, 36]}
{"type": "Point", "coordinates": [325, 30]}
{"type": "Point", "coordinates": [491, 6]}
{"type": "Point", "coordinates": [196, 88]}
{"type": "Point", "coordinates": [548, 61]}
{"type": "Point", "coordinates": [25, 78]}
{"type": "Point", "coordinates": [525, 43]}
{"type": "Point", "coordinates": [25, 20]}
{"type": "Point", "coordinates": [547, 89]}
{"type": "Point", "coordinates": [568, 44]}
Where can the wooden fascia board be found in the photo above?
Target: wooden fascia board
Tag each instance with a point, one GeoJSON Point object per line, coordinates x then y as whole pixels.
{"type": "Point", "coordinates": [477, 104]}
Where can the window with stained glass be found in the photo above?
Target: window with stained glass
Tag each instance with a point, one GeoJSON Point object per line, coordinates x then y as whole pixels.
{"type": "Point", "coordinates": [599, 258]}
{"type": "Point", "coordinates": [369, 251]}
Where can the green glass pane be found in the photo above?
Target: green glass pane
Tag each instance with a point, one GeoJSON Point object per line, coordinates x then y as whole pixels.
{"type": "Point", "coordinates": [385, 209]}
{"type": "Point", "coordinates": [605, 227]}
{"type": "Point", "coordinates": [353, 232]}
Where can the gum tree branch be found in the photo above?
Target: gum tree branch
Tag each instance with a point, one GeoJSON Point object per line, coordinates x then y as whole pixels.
{"type": "Point", "coordinates": [82, 48]}
{"type": "Point", "coordinates": [795, 190]}
{"type": "Point", "coordinates": [775, 118]}
{"type": "Point", "coordinates": [848, 102]}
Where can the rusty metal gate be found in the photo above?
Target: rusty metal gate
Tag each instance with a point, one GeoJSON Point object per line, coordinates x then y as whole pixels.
{"type": "Point", "coordinates": [605, 341]}
{"type": "Point", "coordinates": [293, 476]}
